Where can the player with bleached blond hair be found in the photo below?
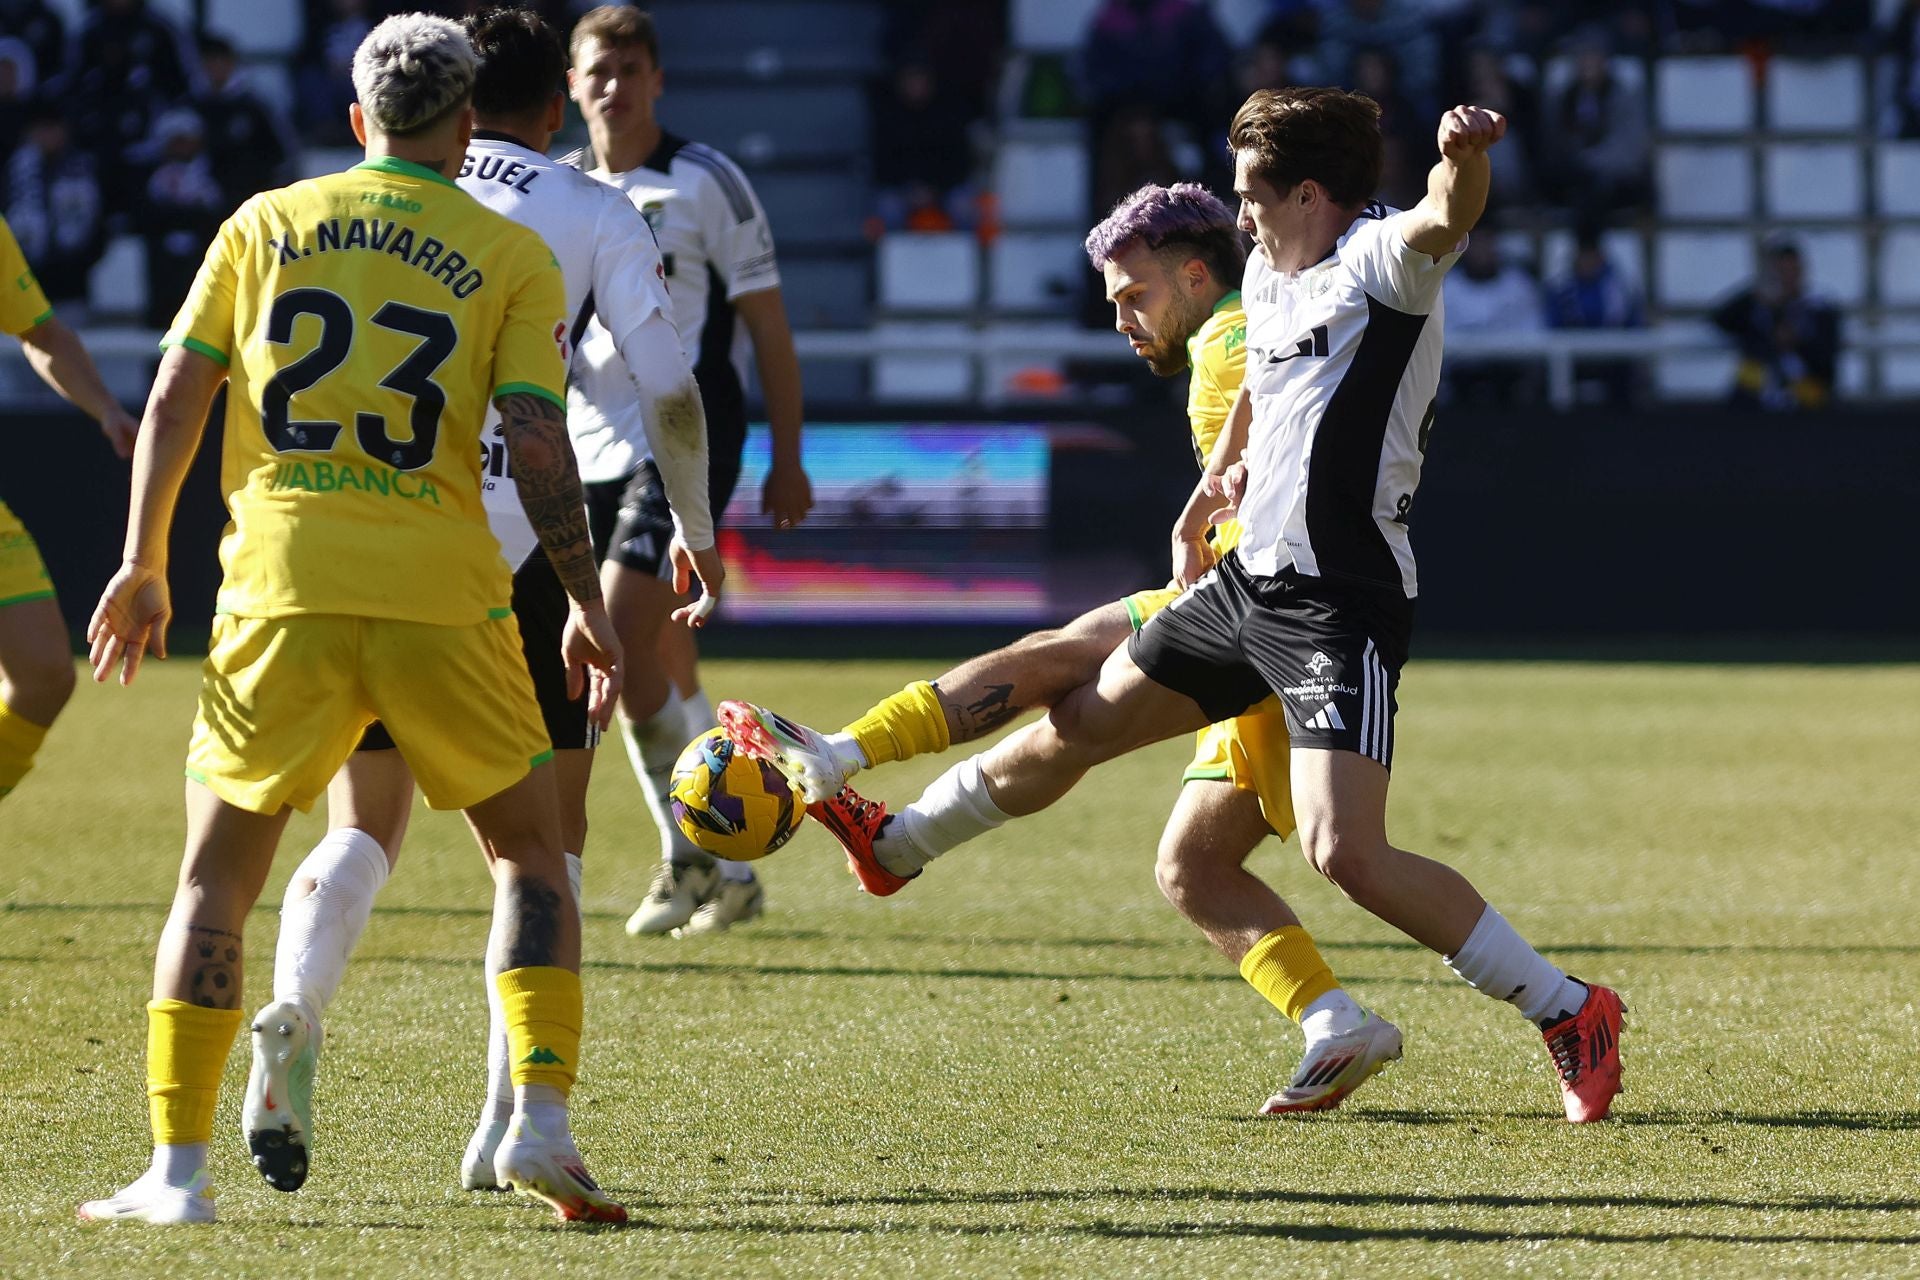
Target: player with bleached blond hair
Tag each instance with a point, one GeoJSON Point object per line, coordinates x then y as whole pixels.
{"type": "Point", "coordinates": [362, 322]}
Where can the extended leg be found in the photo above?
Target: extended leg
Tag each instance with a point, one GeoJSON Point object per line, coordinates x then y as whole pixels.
{"type": "Point", "coordinates": [36, 679]}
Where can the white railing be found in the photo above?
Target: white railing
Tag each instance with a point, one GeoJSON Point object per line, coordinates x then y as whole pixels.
{"type": "Point", "coordinates": [126, 353]}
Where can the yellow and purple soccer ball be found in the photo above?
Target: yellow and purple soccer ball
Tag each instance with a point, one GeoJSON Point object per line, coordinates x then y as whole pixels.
{"type": "Point", "coordinates": [730, 804]}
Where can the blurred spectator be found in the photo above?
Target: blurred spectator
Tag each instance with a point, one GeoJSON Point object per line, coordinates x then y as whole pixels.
{"type": "Point", "coordinates": [123, 48]}
{"type": "Point", "coordinates": [1788, 338]}
{"type": "Point", "coordinates": [1144, 62]}
{"type": "Point", "coordinates": [1599, 152]}
{"type": "Point", "coordinates": [922, 153]}
{"type": "Point", "coordinates": [1487, 294]}
{"type": "Point", "coordinates": [324, 76]}
{"type": "Point", "coordinates": [182, 212]}
{"type": "Point", "coordinates": [1291, 24]}
{"type": "Point", "coordinates": [244, 135]}
{"type": "Point", "coordinates": [1398, 26]}
{"type": "Point", "coordinates": [16, 91]}
{"type": "Point", "coordinates": [40, 29]}
{"type": "Point", "coordinates": [1262, 65]}
{"type": "Point", "coordinates": [1595, 294]}
{"type": "Point", "coordinates": [1489, 83]}
{"type": "Point", "coordinates": [961, 41]}
{"type": "Point", "coordinates": [54, 204]}
{"type": "Point", "coordinates": [1408, 148]}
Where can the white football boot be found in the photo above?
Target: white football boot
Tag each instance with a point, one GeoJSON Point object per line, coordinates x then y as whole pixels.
{"type": "Point", "coordinates": [733, 902]}
{"type": "Point", "coordinates": [1334, 1066]}
{"type": "Point", "coordinates": [148, 1199]}
{"type": "Point", "coordinates": [277, 1115]}
{"type": "Point", "coordinates": [677, 892]}
{"type": "Point", "coordinates": [803, 756]}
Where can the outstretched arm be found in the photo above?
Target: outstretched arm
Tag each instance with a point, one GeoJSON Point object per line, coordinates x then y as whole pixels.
{"type": "Point", "coordinates": [1457, 186]}
{"type": "Point", "coordinates": [57, 355]}
{"type": "Point", "coordinates": [135, 608]}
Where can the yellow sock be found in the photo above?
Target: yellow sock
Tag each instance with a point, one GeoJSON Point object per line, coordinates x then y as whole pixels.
{"type": "Point", "coordinates": [1286, 968]}
{"type": "Point", "coordinates": [542, 1009]}
{"type": "Point", "coordinates": [187, 1049]}
{"type": "Point", "coordinates": [909, 723]}
{"type": "Point", "coordinates": [20, 738]}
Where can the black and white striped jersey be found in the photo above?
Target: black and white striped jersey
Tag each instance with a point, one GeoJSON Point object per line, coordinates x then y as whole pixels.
{"type": "Point", "coordinates": [1343, 362]}
{"type": "Point", "coordinates": [717, 245]}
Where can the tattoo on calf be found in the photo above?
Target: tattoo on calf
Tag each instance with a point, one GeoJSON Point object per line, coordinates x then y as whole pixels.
{"type": "Point", "coordinates": [548, 477]}
{"type": "Point", "coordinates": [213, 967]}
{"type": "Point", "coordinates": [533, 924]}
{"type": "Point", "coordinates": [992, 709]}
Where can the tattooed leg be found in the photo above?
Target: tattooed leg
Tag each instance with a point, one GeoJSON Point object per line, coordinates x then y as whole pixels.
{"type": "Point", "coordinates": [228, 854]}
{"type": "Point", "coordinates": [536, 920]}
{"type": "Point", "coordinates": [1035, 671]}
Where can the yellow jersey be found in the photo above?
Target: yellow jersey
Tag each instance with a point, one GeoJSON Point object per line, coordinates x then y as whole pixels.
{"type": "Point", "coordinates": [1217, 356]}
{"type": "Point", "coordinates": [23, 304]}
{"type": "Point", "coordinates": [366, 320]}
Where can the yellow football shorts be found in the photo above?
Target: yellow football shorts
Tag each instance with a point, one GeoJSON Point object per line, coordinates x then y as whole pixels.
{"type": "Point", "coordinates": [1250, 750]}
{"type": "Point", "coordinates": [23, 574]}
{"type": "Point", "coordinates": [283, 702]}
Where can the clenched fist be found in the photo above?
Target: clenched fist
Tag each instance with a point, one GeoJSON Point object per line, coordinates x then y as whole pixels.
{"type": "Point", "coordinates": [1469, 131]}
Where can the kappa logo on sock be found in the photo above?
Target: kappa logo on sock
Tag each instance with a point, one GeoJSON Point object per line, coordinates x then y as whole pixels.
{"type": "Point", "coordinates": [543, 1057]}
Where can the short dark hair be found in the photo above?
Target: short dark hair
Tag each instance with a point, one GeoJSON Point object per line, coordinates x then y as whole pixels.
{"type": "Point", "coordinates": [1329, 135]}
{"type": "Point", "coordinates": [616, 26]}
{"type": "Point", "coordinates": [521, 63]}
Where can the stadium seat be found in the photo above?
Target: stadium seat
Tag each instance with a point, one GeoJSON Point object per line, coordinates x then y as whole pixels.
{"type": "Point", "coordinates": [762, 40]}
{"type": "Point", "coordinates": [1836, 263]}
{"type": "Point", "coordinates": [1854, 377]}
{"type": "Point", "coordinates": [1026, 369]}
{"type": "Point", "coordinates": [758, 124]}
{"type": "Point", "coordinates": [1704, 182]}
{"type": "Point", "coordinates": [1699, 268]}
{"type": "Point", "coordinates": [1623, 246]}
{"type": "Point", "coordinates": [1900, 366]}
{"type": "Point", "coordinates": [1059, 25]}
{"type": "Point", "coordinates": [1816, 95]}
{"type": "Point", "coordinates": [1899, 267]}
{"type": "Point", "coordinates": [921, 272]}
{"type": "Point", "coordinates": [935, 375]}
{"type": "Point", "coordinates": [812, 208]}
{"type": "Point", "coordinates": [1036, 271]}
{"type": "Point", "coordinates": [1896, 179]}
{"type": "Point", "coordinates": [1814, 180]}
{"type": "Point", "coordinates": [1695, 375]}
{"type": "Point", "coordinates": [827, 291]}
{"type": "Point", "coordinates": [117, 286]}
{"type": "Point", "coordinates": [1703, 95]}
{"type": "Point", "coordinates": [1041, 183]}
{"type": "Point", "coordinates": [258, 26]}
{"type": "Point", "coordinates": [313, 162]}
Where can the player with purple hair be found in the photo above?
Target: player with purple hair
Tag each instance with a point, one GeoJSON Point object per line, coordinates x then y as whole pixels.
{"type": "Point", "coordinates": [1172, 259]}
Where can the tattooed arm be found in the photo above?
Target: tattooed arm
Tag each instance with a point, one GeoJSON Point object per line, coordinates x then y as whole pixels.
{"type": "Point", "coordinates": [548, 477]}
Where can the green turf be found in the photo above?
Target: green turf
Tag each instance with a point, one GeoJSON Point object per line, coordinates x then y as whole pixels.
{"type": "Point", "coordinates": [1025, 1064]}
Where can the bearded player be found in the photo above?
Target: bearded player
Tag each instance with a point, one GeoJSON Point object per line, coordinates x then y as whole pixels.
{"type": "Point", "coordinates": [1321, 458]}
{"type": "Point", "coordinates": [1171, 259]}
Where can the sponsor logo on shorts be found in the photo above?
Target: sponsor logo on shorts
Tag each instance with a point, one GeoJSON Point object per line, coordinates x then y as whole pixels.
{"type": "Point", "coordinates": [1318, 662]}
{"type": "Point", "coordinates": [1320, 691]}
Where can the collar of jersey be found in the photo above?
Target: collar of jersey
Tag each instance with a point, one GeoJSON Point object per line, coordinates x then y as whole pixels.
{"type": "Point", "coordinates": [405, 169]}
{"type": "Point", "coordinates": [1232, 299]}
{"type": "Point", "coordinates": [494, 135]}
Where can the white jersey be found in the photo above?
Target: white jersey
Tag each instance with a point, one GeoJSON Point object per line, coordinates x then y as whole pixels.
{"type": "Point", "coordinates": [612, 271]}
{"type": "Point", "coordinates": [716, 245]}
{"type": "Point", "coordinates": [1343, 363]}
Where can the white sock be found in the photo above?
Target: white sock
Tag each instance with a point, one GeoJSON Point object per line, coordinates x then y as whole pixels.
{"type": "Point", "coordinates": [178, 1164]}
{"type": "Point", "coordinates": [545, 1108]}
{"type": "Point", "coordinates": [319, 930]}
{"type": "Point", "coordinates": [498, 1104]}
{"type": "Point", "coordinates": [652, 747]}
{"type": "Point", "coordinates": [1497, 961]}
{"type": "Point", "coordinates": [847, 750]}
{"type": "Point", "coordinates": [953, 809]}
{"type": "Point", "coordinates": [1334, 1013]}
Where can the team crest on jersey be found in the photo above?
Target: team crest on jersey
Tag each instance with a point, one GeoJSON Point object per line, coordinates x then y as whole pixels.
{"type": "Point", "coordinates": [1318, 662]}
{"type": "Point", "coordinates": [655, 212]}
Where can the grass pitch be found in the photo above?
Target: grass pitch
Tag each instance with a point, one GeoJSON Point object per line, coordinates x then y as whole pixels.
{"type": "Point", "coordinates": [1026, 1064]}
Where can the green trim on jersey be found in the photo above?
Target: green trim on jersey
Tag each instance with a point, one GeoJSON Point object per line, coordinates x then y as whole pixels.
{"type": "Point", "coordinates": [1133, 613]}
{"type": "Point", "coordinates": [406, 169]}
{"type": "Point", "coordinates": [545, 757]}
{"type": "Point", "coordinates": [194, 344]}
{"type": "Point", "coordinates": [528, 388]}
{"type": "Point", "coordinates": [39, 320]}
{"type": "Point", "coordinates": [495, 615]}
{"type": "Point", "coordinates": [1232, 299]}
{"type": "Point", "coordinates": [1205, 773]}
{"type": "Point", "coordinates": [31, 595]}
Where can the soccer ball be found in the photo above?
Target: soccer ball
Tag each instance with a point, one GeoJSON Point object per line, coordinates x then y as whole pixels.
{"type": "Point", "coordinates": [730, 804]}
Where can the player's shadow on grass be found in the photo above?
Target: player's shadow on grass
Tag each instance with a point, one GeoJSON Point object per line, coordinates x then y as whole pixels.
{"type": "Point", "coordinates": [1819, 1118]}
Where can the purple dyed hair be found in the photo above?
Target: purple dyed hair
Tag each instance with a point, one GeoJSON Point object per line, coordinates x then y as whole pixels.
{"type": "Point", "coordinates": [1185, 218]}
